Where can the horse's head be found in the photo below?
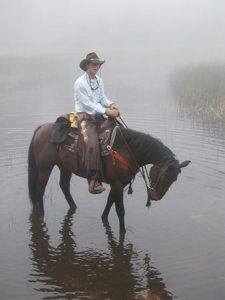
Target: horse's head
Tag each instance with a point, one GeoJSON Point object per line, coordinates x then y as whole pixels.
{"type": "Point", "coordinates": [162, 175]}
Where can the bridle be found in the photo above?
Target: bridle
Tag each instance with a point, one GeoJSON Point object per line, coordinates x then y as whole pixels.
{"type": "Point", "coordinates": [150, 185]}
{"type": "Point", "coordinates": [143, 170]}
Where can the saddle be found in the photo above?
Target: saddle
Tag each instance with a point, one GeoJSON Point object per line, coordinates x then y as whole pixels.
{"type": "Point", "coordinates": [67, 131]}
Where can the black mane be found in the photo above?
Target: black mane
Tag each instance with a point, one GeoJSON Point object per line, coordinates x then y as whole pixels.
{"type": "Point", "coordinates": [145, 147]}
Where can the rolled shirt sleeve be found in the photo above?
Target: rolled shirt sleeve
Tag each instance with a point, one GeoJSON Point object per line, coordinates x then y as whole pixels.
{"type": "Point", "coordinates": [103, 99]}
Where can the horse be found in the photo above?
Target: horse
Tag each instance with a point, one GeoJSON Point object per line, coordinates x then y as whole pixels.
{"type": "Point", "coordinates": [131, 151]}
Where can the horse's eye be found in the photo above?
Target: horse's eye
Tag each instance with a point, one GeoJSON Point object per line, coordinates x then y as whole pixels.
{"type": "Point", "coordinates": [156, 168]}
{"type": "Point", "coordinates": [173, 169]}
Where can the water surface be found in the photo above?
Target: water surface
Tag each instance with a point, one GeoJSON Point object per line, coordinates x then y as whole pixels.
{"type": "Point", "coordinates": [173, 250]}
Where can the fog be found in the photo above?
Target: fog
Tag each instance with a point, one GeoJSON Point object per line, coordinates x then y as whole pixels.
{"type": "Point", "coordinates": [180, 30]}
{"type": "Point", "coordinates": [177, 246]}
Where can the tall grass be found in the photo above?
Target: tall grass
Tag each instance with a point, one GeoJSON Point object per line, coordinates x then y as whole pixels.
{"type": "Point", "coordinates": [201, 90]}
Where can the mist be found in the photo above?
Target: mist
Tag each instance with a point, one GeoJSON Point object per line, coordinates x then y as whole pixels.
{"type": "Point", "coordinates": [177, 31]}
{"type": "Point", "coordinates": [165, 69]}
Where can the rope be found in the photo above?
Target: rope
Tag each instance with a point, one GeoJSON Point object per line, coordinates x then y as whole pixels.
{"type": "Point", "coordinates": [143, 170]}
{"type": "Point", "coordinates": [122, 121]}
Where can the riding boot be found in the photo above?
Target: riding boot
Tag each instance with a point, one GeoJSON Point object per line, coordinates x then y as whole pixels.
{"type": "Point", "coordinates": [95, 186]}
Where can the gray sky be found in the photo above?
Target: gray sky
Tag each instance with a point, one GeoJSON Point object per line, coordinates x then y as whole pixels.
{"type": "Point", "coordinates": [65, 25]}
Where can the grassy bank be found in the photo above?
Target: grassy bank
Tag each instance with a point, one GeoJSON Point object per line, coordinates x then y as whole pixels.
{"type": "Point", "coordinates": [201, 90]}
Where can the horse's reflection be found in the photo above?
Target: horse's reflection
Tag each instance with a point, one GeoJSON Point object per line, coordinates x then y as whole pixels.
{"type": "Point", "coordinates": [65, 272]}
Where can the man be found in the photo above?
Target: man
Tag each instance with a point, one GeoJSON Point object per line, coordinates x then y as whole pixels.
{"type": "Point", "coordinates": [92, 105]}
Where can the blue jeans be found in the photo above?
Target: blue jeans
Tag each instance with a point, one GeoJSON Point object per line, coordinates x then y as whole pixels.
{"type": "Point", "coordinates": [99, 119]}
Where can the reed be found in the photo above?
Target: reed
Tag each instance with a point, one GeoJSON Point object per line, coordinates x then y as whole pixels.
{"type": "Point", "coordinates": [201, 90]}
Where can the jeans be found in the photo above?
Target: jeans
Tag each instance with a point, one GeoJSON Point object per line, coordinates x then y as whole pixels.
{"type": "Point", "coordinates": [99, 119]}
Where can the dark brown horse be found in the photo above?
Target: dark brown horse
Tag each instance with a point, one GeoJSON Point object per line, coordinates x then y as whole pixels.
{"type": "Point", "coordinates": [133, 150]}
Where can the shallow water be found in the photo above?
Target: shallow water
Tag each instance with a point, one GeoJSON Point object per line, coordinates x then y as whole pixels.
{"type": "Point", "coordinates": [175, 249]}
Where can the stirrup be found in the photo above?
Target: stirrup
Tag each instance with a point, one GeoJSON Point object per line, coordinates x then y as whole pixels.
{"type": "Point", "coordinates": [95, 187]}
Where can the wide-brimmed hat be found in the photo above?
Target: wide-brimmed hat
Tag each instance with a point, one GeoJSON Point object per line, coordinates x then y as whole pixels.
{"type": "Point", "coordinates": [91, 58]}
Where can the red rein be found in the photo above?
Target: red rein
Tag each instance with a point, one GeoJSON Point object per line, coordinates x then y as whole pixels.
{"type": "Point", "coordinates": [116, 156]}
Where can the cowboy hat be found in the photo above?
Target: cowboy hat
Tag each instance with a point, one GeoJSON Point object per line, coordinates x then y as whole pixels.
{"type": "Point", "coordinates": [90, 58]}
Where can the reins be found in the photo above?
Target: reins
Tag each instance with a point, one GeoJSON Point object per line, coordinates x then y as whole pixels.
{"type": "Point", "coordinates": [143, 170]}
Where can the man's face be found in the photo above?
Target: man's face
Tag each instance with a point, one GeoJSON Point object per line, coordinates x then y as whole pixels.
{"type": "Point", "coordinates": [92, 69]}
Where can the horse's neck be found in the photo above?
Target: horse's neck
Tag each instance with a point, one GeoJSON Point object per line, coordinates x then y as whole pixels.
{"type": "Point", "coordinates": [158, 153]}
{"type": "Point", "coordinates": [148, 150]}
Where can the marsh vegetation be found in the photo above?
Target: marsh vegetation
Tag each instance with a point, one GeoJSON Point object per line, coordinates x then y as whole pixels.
{"type": "Point", "coordinates": [201, 90]}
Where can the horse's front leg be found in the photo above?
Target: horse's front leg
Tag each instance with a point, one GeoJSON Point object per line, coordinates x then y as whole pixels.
{"type": "Point", "coordinates": [116, 195]}
{"type": "Point", "coordinates": [108, 206]}
{"type": "Point", "coordinates": [120, 208]}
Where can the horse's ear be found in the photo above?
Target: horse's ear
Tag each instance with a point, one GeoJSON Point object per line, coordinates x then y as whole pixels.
{"type": "Point", "coordinates": [184, 163]}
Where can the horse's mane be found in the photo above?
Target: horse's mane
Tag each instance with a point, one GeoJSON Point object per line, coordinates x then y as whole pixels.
{"type": "Point", "coordinates": [145, 146]}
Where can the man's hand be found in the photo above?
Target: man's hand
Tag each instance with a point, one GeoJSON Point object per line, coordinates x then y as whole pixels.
{"type": "Point", "coordinates": [113, 106]}
{"type": "Point", "coordinates": [112, 112]}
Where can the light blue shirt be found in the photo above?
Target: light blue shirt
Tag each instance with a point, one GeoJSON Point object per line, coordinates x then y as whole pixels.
{"type": "Point", "coordinates": [89, 95]}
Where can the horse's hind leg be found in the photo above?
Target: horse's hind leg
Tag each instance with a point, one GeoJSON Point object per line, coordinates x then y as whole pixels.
{"type": "Point", "coordinates": [65, 176]}
{"type": "Point", "coordinates": [42, 181]}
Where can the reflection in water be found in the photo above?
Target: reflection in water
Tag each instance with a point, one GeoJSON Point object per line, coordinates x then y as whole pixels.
{"type": "Point", "coordinates": [64, 271]}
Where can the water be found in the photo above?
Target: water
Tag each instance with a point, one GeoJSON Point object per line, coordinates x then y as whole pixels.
{"type": "Point", "coordinates": [174, 250]}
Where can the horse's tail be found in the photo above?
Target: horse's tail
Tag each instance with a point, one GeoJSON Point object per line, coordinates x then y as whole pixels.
{"type": "Point", "coordinates": [32, 172]}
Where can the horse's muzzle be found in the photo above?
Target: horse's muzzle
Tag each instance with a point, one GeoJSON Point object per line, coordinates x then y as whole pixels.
{"type": "Point", "coordinates": [154, 195]}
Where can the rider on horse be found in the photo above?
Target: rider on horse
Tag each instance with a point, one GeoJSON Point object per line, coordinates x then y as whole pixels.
{"type": "Point", "coordinates": [92, 108]}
